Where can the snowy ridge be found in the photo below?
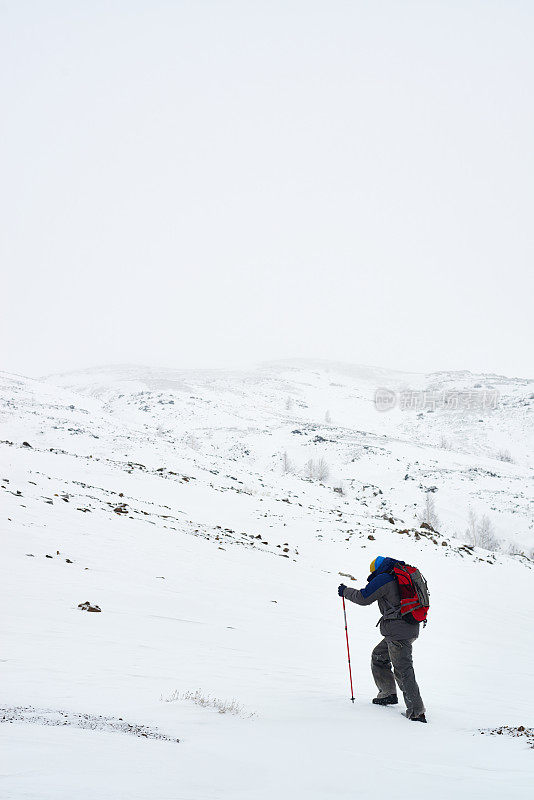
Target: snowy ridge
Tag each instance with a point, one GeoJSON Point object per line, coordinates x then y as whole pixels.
{"type": "Point", "coordinates": [181, 503]}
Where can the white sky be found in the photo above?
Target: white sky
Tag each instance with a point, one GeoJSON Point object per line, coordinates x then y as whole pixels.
{"type": "Point", "coordinates": [213, 183]}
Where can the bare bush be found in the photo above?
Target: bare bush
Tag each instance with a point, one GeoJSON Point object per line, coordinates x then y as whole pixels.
{"type": "Point", "coordinates": [512, 549]}
{"type": "Point", "coordinates": [208, 701]}
{"type": "Point", "coordinates": [323, 470]}
{"type": "Point", "coordinates": [287, 464]}
{"type": "Point", "coordinates": [486, 537]}
{"type": "Point", "coordinates": [191, 441]}
{"type": "Point", "coordinates": [317, 470]}
{"type": "Point", "coordinates": [481, 533]}
{"type": "Point", "coordinates": [309, 469]}
{"type": "Point", "coordinates": [506, 456]}
{"type": "Point", "coordinates": [429, 514]}
{"type": "Point", "coordinates": [445, 443]}
{"type": "Point", "coordinates": [471, 530]}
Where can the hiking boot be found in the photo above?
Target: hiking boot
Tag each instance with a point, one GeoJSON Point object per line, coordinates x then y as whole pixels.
{"type": "Point", "coordinates": [420, 718]}
{"type": "Point", "coordinates": [390, 700]}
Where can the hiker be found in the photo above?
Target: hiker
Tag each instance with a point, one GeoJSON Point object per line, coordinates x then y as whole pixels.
{"type": "Point", "coordinates": [399, 632]}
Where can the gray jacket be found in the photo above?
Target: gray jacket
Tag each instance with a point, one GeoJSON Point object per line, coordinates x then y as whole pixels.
{"type": "Point", "coordinates": [392, 626]}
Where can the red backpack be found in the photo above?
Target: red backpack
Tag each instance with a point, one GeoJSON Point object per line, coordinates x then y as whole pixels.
{"type": "Point", "coordinates": [413, 590]}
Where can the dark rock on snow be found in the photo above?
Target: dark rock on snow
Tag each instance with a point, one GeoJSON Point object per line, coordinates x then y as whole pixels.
{"type": "Point", "coordinates": [88, 607]}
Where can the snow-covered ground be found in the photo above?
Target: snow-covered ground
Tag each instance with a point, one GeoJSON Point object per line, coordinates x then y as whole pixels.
{"type": "Point", "coordinates": [160, 496]}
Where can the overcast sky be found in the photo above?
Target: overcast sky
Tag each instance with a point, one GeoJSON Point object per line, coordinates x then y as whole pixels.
{"type": "Point", "coordinates": [216, 183]}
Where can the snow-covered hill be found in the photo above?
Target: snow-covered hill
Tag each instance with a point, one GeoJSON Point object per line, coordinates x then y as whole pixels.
{"type": "Point", "coordinates": [455, 437]}
{"type": "Point", "coordinates": [196, 510]}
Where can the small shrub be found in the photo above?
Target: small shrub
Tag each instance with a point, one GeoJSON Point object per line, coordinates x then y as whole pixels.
{"type": "Point", "coordinates": [323, 470]}
{"type": "Point", "coordinates": [429, 514]}
{"type": "Point", "coordinates": [486, 537]}
{"type": "Point", "coordinates": [506, 456]}
{"type": "Point", "coordinates": [207, 701]}
{"type": "Point", "coordinates": [287, 464]}
{"type": "Point", "coordinates": [191, 441]}
{"type": "Point", "coordinates": [471, 530]}
{"type": "Point", "coordinates": [512, 549]}
{"type": "Point", "coordinates": [317, 470]}
{"type": "Point", "coordinates": [481, 533]}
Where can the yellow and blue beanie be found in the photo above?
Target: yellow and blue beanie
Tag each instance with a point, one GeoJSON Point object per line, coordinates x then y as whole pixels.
{"type": "Point", "coordinates": [376, 563]}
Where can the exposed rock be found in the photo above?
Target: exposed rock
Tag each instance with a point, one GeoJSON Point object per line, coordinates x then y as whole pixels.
{"type": "Point", "coordinates": [510, 730]}
{"type": "Point", "coordinates": [427, 526]}
{"type": "Point", "coordinates": [88, 607]}
{"type": "Point", "coordinates": [50, 717]}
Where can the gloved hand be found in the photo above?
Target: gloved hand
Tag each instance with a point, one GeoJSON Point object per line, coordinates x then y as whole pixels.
{"type": "Point", "coordinates": [341, 589]}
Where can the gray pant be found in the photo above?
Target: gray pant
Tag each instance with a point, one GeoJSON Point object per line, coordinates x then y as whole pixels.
{"type": "Point", "coordinates": [398, 654]}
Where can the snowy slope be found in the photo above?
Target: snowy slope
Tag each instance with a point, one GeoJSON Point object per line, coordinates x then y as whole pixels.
{"type": "Point", "coordinates": [216, 571]}
{"type": "Point", "coordinates": [252, 418]}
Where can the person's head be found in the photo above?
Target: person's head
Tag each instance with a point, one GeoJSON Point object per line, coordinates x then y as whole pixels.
{"type": "Point", "coordinates": [376, 563]}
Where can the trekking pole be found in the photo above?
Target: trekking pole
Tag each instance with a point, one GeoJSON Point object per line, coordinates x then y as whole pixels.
{"type": "Point", "coordinates": [348, 650]}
